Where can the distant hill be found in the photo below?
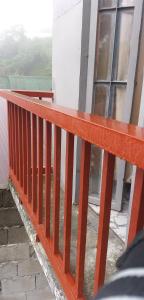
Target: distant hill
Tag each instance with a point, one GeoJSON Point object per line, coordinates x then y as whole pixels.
{"type": "Point", "coordinates": [20, 55]}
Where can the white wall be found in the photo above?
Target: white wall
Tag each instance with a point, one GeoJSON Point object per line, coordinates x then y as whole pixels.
{"type": "Point", "coordinates": [3, 144]}
{"type": "Point", "coordinates": [67, 30]}
{"type": "Point", "coordinates": [67, 51]}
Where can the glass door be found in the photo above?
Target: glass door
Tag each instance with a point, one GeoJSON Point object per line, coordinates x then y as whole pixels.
{"type": "Point", "coordinates": [118, 28]}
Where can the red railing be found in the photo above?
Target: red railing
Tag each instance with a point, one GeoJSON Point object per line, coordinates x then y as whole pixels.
{"type": "Point", "coordinates": [26, 118]}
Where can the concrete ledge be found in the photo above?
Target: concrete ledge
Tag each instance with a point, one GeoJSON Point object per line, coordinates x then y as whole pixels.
{"type": "Point", "coordinates": [48, 271]}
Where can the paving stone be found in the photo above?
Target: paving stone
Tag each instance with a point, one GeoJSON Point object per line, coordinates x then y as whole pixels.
{"type": "Point", "coordinates": [29, 267]}
{"type": "Point", "coordinates": [44, 294]}
{"type": "Point", "coordinates": [9, 217]}
{"type": "Point", "coordinates": [13, 297]}
{"type": "Point", "coordinates": [8, 269]}
{"type": "Point", "coordinates": [14, 252]}
{"type": "Point", "coordinates": [17, 234]}
{"type": "Point", "coordinates": [3, 236]}
{"type": "Point", "coordinates": [6, 199]}
{"type": "Point", "coordinates": [41, 281]}
{"type": "Point", "coordinates": [18, 284]}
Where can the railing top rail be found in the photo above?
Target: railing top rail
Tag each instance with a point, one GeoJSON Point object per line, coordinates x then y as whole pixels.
{"type": "Point", "coordinates": [123, 140]}
{"type": "Point", "coordinates": [42, 94]}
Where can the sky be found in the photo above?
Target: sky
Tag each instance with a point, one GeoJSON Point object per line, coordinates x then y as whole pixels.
{"type": "Point", "coordinates": [36, 16]}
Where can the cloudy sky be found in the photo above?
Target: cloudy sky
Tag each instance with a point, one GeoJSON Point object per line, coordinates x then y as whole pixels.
{"type": "Point", "coordinates": [35, 15]}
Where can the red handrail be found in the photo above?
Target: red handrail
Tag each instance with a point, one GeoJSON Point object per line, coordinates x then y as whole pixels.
{"type": "Point", "coordinates": [39, 94]}
{"type": "Point", "coordinates": [26, 117]}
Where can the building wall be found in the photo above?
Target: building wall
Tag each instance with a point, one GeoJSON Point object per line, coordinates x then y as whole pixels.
{"type": "Point", "coordinates": [67, 34]}
{"type": "Point", "coordinates": [67, 51]}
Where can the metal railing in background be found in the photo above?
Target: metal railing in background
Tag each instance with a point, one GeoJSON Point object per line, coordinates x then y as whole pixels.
{"type": "Point", "coordinates": [28, 119]}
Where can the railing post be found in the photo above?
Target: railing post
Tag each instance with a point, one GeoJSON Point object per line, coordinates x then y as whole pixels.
{"type": "Point", "coordinates": [24, 151]}
{"type": "Point", "coordinates": [40, 170]}
{"type": "Point", "coordinates": [20, 137]}
{"type": "Point", "coordinates": [82, 217]}
{"type": "Point", "coordinates": [104, 218]}
{"type": "Point", "coordinates": [48, 177]}
{"type": "Point", "coordinates": [34, 163]}
{"type": "Point", "coordinates": [68, 200]}
{"type": "Point", "coordinates": [29, 165]}
{"type": "Point", "coordinates": [56, 207]}
{"type": "Point", "coordinates": [137, 211]}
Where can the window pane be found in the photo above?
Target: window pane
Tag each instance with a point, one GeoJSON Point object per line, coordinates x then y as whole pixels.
{"type": "Point", "coordinates": [123, 44]}
{"type": "Point", "coordinates": [101, 94]}
{"type": "Point", "coordinates": [105, 38]}
{"type": "Point", "coordinates": [107, 3]}
{"type": "Point", "coordinates": [126, 2]}
{"type": "Point", "coordinates": [119, 93]}
{"type": "Point", "coordinates": [100, 99]}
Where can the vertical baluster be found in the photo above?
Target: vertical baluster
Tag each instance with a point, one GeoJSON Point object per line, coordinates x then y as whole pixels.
{"type": "Point", "coordinates": [137, 211]}
{"type": "Point", "coordinates": [68, 200]}
{"type": "Point", "coordinates": [34, 162]}
{"type": "Point", "coordinates": [56, 208]}
{"type": "Point", "coordinates": [104, 219]}
{"type": "Point", "coordinates": [40, 169]}
{"type": "Point", "coordinates": [24, 151]}
{"type": "Point", "coordinates": [21, 161]}
{"type": "Point", "coordinates": [17, 142]}
{"type": "Point", "coordinates": [9, 132]}
{"type": "Point", "coordinates": [48, 177]}
{"type": "Point", "coordinates": [82, 218]}
{"type": "Point", "coordinates": [14, 138]}
{"type": "Point", "coordinates": [29, 169]}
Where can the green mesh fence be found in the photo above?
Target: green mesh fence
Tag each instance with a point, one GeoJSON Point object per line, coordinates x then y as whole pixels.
{"type": "Point", "coordinates": [26, 82]}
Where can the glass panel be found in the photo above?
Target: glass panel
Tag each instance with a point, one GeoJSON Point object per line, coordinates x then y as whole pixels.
{"type": "Point", "coordinates": [100, 99]}
{"type": "Point", "coordinates": [126, 2]}
{"type": "Point", "coordinates": [105, 38]}
{"type": "Point", "coordinates": [107, 3]}
{"type": "Point", "coordinates": [123, 44]}
{"type": "Point", "coordinates": [119, 94]}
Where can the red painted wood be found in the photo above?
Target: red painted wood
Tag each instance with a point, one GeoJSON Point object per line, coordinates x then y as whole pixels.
{"type": "Point", "coordinates": [24, 145]}
{"type": "Point", "coordinates": [48, 139]}
{"type": "Point", "coordinates": [14, 138]}
{"type": "Point", "coordinates": [17, 142]}
{"type": "Point", "coordinates": [9, 133]}
{"type": "Point", "coordinates": [29, 169]}
{"type": "Point", "coordinates": [104, 218]}
{"type": "Point", "coordinates": [122, 140]}
{"type": "Point", "coordinates": [66, 280]}
{"type": "Point", "coordinates": [20, 137]}
{"type": "Point", "coordinates": [68, 200]}
{"type": "Point", "coordinates": [12, 132]}
{"type": "Point", "coordinates": [40, 169]}
{"type": "Point", "coordinates": [82, 217]}
{"type": "Point", "coordinates": [34, 163]}
{"type": "Point", "coordinates": [137, 211]}
{"type": "Point", "coordinates": [42, 94]}
{"type": "Point", "coordinates": [56, 206]}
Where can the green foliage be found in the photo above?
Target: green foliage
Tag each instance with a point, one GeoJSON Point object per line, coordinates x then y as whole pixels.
{"type": "Point", "coordinates": [20, 55]}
